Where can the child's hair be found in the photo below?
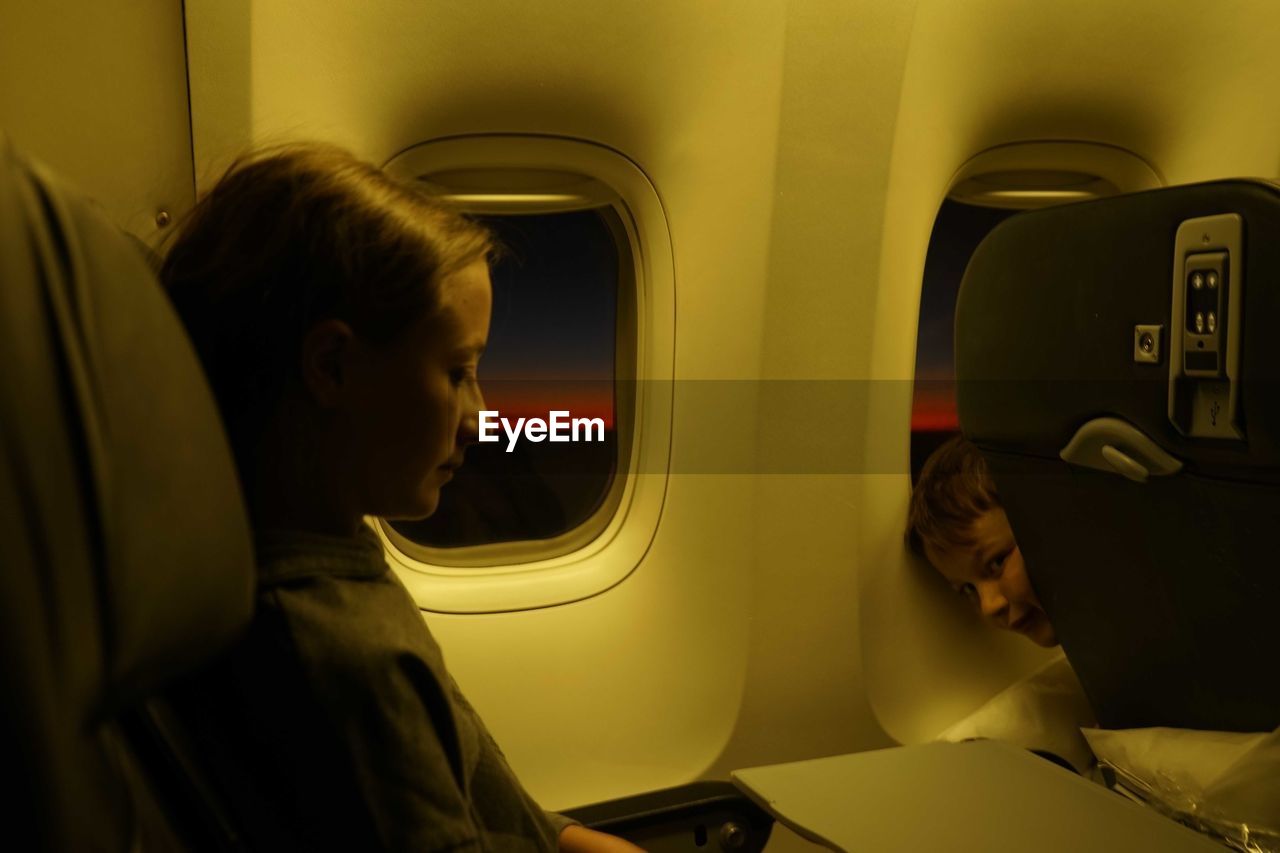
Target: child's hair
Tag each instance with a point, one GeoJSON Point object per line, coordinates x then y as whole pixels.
{"type": "Point", "coordinates": [294, 235]}
{"type": "Point", "coordinates": [954, 488]}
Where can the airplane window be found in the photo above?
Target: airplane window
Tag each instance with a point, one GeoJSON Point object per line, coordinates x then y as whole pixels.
{"type": "Point", "coordinates": [581, 347]}
{"type": "Point", "coordinates": [991, 187]}
{"type": "Point", "coordinates": [552, 348]}
{"type": "Point", "coordinates": [957, 231]}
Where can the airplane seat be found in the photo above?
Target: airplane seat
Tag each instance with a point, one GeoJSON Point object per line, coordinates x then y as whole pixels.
{"type": "Point", "coordinates": [127, 556]}
{"type": "Point", "coordinates": [1117, 364]}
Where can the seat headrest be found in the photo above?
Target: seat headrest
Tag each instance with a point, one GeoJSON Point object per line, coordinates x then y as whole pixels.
{"type": "Point", "coordinates": [126, 546]}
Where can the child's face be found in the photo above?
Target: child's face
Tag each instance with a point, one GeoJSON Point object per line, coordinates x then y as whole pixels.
{"type": "Point", "coordinates": [990, 573]}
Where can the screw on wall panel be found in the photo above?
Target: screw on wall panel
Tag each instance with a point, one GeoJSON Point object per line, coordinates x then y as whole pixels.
{"type": "Point", "coordinates": [732, 836]}
{"type": "Point", "coordinates": [163, 218]}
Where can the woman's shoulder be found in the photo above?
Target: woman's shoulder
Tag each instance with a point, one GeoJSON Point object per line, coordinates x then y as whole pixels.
{"type": "Point", "coordinates": [291, 556]}
{"type": "Point", "coordinates": [339, 604]}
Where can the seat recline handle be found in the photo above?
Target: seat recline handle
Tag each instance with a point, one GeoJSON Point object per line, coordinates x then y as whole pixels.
{"type": "Point", "coordinates": [1115, 446]}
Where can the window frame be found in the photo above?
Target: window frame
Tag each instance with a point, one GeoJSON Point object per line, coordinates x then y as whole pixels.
{"type": "Point", "coordinates": [513, 174]}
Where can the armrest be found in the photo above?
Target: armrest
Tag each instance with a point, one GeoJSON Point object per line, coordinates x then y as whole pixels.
{"type": "Point", "coordinates": [700, 816]}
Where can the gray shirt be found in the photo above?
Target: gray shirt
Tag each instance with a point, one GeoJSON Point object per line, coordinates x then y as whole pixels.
{"type": "Point", "coordinates": [337, 717]}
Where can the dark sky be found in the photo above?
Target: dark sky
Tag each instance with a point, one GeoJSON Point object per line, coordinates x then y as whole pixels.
{"type": "Point", "coordinates": [957, 231]}
{"type": "Point", "coordinates": [551, 340]}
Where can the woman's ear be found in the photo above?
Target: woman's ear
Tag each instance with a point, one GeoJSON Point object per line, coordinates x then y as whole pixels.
{"type": "Point", "coordinates": [326, 355]}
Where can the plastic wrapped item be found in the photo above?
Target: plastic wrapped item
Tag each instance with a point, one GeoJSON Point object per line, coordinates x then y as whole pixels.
{"type": "Point", "coordinates": [1222, 783]}
{"type": "Point", "coordinates": [1043, 713]}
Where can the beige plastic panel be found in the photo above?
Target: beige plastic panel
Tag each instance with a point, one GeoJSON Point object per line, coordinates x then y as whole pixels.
{"type": "Point", "coordinates": [1184, 90]}
{"type": "Point", "coordinates": [98, 91]}
{"type": "Point", "coordinates": [983, 797]}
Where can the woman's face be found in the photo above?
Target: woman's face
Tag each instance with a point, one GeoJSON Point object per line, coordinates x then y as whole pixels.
{"type": "Point", "coordinates": [990, 573]}
{"type": "Point", "coordinates": [417, 401]}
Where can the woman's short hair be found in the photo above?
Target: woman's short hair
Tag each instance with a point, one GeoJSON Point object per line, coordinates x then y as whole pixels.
{"type": "Point", "coordinates": [955, 487]}
{"type": "Point", "coordinates": [294, 235]}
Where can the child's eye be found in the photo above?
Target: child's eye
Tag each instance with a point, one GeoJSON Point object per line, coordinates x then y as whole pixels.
{"type": "Point", "coordinates": [996, 567]}
{"type": "Point", "coordinates": [968, 592]}
{"type": "Point", "coordinates": [460, 375]}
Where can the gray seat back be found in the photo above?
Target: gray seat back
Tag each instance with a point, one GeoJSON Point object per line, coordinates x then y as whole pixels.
{"type": "Point", "coordinates": [127, 555]}
{"type": "Point", "coordinates": [1141, 475]}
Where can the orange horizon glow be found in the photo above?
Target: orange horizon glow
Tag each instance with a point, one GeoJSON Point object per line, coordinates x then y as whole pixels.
{"type": "Point", "coordinates": [934, 413]}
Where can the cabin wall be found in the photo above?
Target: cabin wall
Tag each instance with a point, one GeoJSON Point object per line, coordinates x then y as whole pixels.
{"type": "Point", "coordinates": [806, 689]}
{"type": "Point", "coordinates": [98, 91]}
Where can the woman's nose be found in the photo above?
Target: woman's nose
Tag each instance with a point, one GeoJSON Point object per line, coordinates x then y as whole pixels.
{"type": "Point", "coordinates": [472, 404]}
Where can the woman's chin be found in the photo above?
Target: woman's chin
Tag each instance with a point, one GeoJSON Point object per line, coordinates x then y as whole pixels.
{"type": "Point", "coordinates": [423, 506]}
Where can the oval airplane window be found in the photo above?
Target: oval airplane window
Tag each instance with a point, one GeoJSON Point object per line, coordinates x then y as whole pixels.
{"type": "Point", "coordinates": [553, 504]}
{"type": "Point", "coordinates": [926, 681]}
{"type": "Point", "coordinates": [984, 192]}
{"type": "Point", "coordinates": [553, 355]}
